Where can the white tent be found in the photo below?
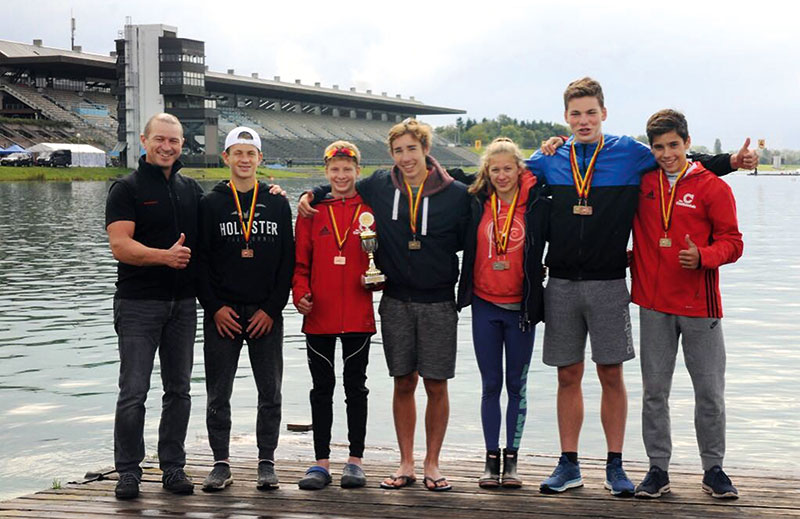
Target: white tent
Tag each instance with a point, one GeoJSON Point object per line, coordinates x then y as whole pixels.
{"type": "Point", "coordinates": [82, 154]}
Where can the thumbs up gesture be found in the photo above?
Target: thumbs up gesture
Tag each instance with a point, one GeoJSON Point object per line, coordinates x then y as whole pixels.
{"type": "Point", "coordinates": [689, 258]}
{"type": "Point", "coordinates": [745, 158]}
{"type": "Point", "coordinates": [178, 256]}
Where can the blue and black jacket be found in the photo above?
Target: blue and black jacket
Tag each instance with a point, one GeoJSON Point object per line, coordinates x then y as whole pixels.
{"type": "Point", "coordinates": [594, 247]}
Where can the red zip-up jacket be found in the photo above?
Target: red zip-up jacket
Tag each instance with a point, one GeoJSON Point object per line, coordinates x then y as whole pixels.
{"type": "Point", "coordinates": [705, 210]}
{"type": "Point", "coordinates": [340, 303]}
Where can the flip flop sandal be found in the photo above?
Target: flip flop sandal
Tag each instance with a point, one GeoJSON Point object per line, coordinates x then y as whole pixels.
{"type": "Point", "coordinates": [405, 480]}
{"type": "Point", "coordinates": [316, 478]}
{"type": "Point", "coordinates": [436, 487]}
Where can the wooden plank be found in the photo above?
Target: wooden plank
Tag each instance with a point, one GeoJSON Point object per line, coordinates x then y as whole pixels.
{"type": "Point", "coordinates": [775, 497]}
{"type": "Point", "coordinates": [334, 498]}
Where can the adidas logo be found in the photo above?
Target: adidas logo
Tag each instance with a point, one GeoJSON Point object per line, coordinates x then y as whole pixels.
{"type": "Point", "coordinates": [325, 231]}
{"type": "Point", "coordinates": [651, 195]}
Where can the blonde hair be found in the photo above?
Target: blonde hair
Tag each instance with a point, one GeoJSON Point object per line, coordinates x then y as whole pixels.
{"type": "Point", "coordinates": [498, 146]}
{"type": "Point", "coordinates": [584, 87]}
{"type": "Point", "coordinates": [421, 131]}
{"type": "Point", "coordinates": [342, 144]}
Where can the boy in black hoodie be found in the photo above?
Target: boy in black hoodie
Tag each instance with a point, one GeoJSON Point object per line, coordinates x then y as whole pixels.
{"type": "Point", "coordinates": [246, 260]}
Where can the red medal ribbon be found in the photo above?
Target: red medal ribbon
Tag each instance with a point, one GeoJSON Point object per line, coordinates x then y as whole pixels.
{"type": "Point", "coordinates": [413, 205]}
{"type": "Point", "coordinates": [501, 238]}
{"type": "Point", "coordinates": [340, 240]}
{"type": "Point", "coordinates": [583, 183]}
{"type": "Point", "coordinates": [667, 207]}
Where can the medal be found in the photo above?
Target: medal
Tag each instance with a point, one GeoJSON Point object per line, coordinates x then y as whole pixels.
{"type": "Point", "coordinates": [247, 252]}
{"type": "Point", "coordinates": [341, 239]}
{"type": "Point", "coordinates": [667, 207]}
{"type": "Point", "coordinates": [583, 183]}
{"type": "Point", "coordinates": [501, 237]}
{"type": "Point", "coordinates": [582, 210]}
{"type": "Point", "coordinates": [413, 211]}
{"type": "Point", "coordinates": [501, 265]}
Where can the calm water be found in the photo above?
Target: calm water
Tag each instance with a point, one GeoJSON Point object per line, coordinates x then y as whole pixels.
{"type": "Point", "coordinates": [58, 359]}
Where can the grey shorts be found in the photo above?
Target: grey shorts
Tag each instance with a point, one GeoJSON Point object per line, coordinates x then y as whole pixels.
{"type": "Point", "coordinates": [419, 337]}
{"type": "Point", "coordinates": [574, 309]}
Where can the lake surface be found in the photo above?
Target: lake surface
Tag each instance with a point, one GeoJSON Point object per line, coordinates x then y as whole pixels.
{"type": "Point", "coordinates": [59, 364]}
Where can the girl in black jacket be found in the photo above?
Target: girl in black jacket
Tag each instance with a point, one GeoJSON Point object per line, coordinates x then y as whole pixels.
{"type": "Point", "coordinates": [502, 278]}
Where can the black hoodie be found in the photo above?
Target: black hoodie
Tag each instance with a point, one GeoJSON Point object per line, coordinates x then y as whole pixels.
{"type": "Point", "coordinates": [227, 278]}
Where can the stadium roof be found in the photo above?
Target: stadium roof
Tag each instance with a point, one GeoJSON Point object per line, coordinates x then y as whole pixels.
{"type": "Point", "coordinates": [74, 63]}
{"type": "Point", "coordinates": [216, 82]}
{"type": "Point", "coordinates": [60, 61]}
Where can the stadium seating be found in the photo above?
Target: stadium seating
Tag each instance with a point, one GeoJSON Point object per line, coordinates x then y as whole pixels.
{"type": "Point", "coordinates": [302, 137]}
{"type": "Point", "coordinates": [287, 136]}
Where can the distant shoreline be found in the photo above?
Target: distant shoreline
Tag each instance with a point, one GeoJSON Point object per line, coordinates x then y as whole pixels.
{"type": "Point", "coordinates": [35, 173]}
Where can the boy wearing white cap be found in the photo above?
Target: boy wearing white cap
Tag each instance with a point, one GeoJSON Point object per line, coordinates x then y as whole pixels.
{"type": "Point", "coordinates": [246, 260]}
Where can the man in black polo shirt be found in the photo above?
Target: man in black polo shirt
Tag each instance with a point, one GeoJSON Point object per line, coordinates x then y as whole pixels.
{"type": "Point", "coordinates": [151, 220]}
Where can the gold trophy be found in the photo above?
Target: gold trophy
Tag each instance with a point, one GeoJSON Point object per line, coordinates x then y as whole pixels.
{"type": "Point", "coordinates": [369, 242]}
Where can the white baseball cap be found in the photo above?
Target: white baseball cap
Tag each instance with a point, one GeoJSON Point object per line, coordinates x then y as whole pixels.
{"type": "Point", "coordinates": [239, 135]}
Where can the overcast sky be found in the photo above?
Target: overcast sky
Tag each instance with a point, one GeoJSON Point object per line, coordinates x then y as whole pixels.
{"type": "Point", "coordinates": [732, 67]}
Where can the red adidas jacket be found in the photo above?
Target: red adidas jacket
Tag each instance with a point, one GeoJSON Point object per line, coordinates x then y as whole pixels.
{"type": "Point", "coordinates": [340, 303]}
{"type": "Point", "coordinates": [705, 210]}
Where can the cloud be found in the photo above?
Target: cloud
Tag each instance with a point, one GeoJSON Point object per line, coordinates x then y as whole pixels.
{"type": "Point", "coordinates": [733, 70]}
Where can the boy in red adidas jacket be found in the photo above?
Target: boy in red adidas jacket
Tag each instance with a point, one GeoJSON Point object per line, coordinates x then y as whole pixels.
{"type": "Point", "coordinates": [685, 228]}
{"type": "Point", "coordinates": [327, 290]}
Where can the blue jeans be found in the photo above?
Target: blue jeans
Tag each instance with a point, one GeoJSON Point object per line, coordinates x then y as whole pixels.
{"type": "Point", "coordinates": [144, 326]}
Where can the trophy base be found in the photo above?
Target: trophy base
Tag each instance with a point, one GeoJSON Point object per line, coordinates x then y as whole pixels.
{"type": "Point", "coordinates": [374, 280]}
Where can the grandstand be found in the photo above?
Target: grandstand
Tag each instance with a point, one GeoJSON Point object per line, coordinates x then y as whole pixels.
{"type": "Point", "coordinates": [50, 94]}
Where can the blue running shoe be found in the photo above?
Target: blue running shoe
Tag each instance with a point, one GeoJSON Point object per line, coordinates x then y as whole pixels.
{"type": "Point", "coordinates": [718, 484]}
{"type": "Point", "coordinates": [616, 479]}
{"type": "Point", "coordinates": [566, 475]}
{"type": "Point", "coordinates": [654, 484]}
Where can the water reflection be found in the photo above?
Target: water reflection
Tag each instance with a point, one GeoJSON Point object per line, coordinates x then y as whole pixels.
{"type": "Point", "coordinates": [58, 375]}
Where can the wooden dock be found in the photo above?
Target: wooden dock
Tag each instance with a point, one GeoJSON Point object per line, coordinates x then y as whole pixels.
{"type": "Point", "coordinates": [763, 497]}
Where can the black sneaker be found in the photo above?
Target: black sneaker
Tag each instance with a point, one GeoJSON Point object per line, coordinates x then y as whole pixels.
{"type": "Point", "coordinates": [267, 479]}
{"type": "Point", "coordinates": [177, 482]}
{"type": "Point", "coordinates": [127, 486]}
{"type": "Point", "coordinates": [655, 483]}
{"type": "Point", "coordinates": [219, 477]}
{"type": "Point", "coordinates": [718, 484]}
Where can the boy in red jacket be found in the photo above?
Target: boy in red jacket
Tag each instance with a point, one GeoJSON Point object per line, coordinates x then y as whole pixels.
{"type": "Point", "coordinates": [685, 228]}
{"type": "Point", "coordinates": [327, 290]}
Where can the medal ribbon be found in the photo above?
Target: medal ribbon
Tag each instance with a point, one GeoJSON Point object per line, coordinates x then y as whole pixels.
{"type": "Point", "coordinates": [583, 183]}
{"type": "Point", "coordinates": [339, 239]}
{"type": "Point", "coordinates": [501, 238]}
{"type": "Point", "coordinates": [413, 205]}
{"type": "Point", "coordinates": [246, 230]}
{"type": "Point", "coordinates": [666, 209]}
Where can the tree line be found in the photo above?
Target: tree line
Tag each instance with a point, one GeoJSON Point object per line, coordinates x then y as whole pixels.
{"type": "Point", "coordinates": [530, 134]}
{"type": "Point", "coordinates": [527, 134]}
